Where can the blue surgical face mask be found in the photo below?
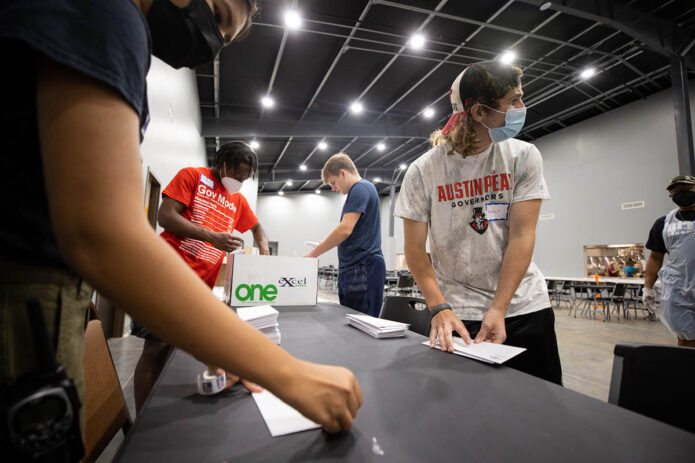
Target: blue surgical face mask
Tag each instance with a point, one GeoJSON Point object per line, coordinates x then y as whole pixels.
{"type": "Point", "coordinates": [513, 122]}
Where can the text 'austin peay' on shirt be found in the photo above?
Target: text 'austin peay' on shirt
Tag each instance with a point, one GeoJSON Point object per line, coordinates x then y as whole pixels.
{"type": "Point", "coordinates": [466, 202]}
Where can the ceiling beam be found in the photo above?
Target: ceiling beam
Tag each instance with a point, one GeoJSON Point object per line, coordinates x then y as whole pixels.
{"type": "Point", "coordinates": [245, 128]}
{"type": "Point", "coordinates": [658, 34]}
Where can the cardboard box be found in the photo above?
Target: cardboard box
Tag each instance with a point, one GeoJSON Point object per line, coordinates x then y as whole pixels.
{"type": "Point", "coordinates": [274, 280]}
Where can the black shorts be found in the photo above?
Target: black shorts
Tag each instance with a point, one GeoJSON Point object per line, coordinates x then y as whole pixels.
{"type": "Point", "coordinates": [535, 332]}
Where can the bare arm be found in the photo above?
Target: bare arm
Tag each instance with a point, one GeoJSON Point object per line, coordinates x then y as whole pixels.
{"type": "Point", "coordinates": [337, 236]}
{"type": "Point", "coordinates": [104, 236]}
{"type": "Point", "coordinates": [446, 321]}
{"type": "Point", "coordinates": [651, 273]}
{"type": "Point", "coordinates": [517, 257]}
{"type": "Point", "coordinates": [170, 218]}
{"type": "Point", "coordinates": [261, 238]}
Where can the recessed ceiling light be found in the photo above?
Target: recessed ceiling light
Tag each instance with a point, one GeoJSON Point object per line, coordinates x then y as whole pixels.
{"type": "Point", "coordinates": [254, 144]}
{"type": "Point", "coordinates": [417, 41]}
{"type": "Point", "coordinates": [317, 191]}
{"type": "Point", "coordinates": [588, 73]}
{"type": "Point", "coordinates": [302, 167]}
{"type": "Point", "coordinates": [403, 166]}
{"type": "Point", "coordinates": [281, 193]}
{"type": "Point", "coordinates": [380, 146]}
{"type": "Point", "coordinates": [356, 107]}
{"type": "Point", "coordinates": [267, 102]}
{"type": "Point", "coordinates": [508, 57]}
{"type": "Point", "coordinates": [289, 183]}
{"type": "Point", "coordinates": [428, 113]}
{"type": "Point", "coordinates": [377, 179]}
{"type": "Point", "coordinates": [293, 19]}
{"type": "Point", "coordinates": [323, 145]}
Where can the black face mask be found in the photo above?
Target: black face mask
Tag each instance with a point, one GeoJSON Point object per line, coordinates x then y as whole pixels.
{"type": "Point", "coordinates": [186, 36]}
{"type": "Point", "coordinates": [684, 198]}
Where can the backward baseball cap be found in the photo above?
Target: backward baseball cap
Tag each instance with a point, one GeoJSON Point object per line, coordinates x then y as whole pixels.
{"type": "Point", "coordinates": [467, 90]}
{"type": "Point", "coordinates": [681, 180]}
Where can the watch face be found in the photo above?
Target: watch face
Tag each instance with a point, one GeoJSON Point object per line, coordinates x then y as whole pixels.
{"type": "Point", "coordinates": [39, 414]}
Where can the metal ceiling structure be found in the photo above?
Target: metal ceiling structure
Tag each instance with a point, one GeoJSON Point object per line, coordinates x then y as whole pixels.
{"type": "Point", "coordinates": [358, 50]}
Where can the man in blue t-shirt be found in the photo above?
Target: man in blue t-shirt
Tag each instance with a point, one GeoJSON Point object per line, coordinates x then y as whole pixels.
{"type": "Point", "coordinates": [361, 269]}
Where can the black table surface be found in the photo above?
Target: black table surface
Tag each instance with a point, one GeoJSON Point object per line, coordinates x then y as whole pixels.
{"type": "Point", "coordinates": [419, 405]}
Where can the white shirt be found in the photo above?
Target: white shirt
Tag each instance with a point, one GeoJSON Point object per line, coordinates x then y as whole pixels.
{"type": "Point", "coordinates": [466, 202]}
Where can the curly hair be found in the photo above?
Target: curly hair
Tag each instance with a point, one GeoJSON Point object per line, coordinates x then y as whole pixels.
{"type": "Point", "coordinates": [490, 87]}
{"type": "Point", "coordinates": [234, 153]}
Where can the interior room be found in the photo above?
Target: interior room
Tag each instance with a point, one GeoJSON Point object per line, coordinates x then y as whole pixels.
{"type": "Point", "coordinates": [607, 92]}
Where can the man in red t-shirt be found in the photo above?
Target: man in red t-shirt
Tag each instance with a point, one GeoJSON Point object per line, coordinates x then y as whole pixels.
{"type": "Point", "coordinates": [200, 209]}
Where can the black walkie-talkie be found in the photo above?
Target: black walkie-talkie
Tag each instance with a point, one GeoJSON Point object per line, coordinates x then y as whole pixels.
{"type": "Point", "coordinates": [40, 410]}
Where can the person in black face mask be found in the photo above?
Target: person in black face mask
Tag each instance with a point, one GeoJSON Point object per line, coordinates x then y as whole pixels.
{"type": "Point", "coordinates": [674, 234]}
{"type": "Point", "coordinates": [72, 122]}
{"type": "Point", "coordinates": [190, 32]}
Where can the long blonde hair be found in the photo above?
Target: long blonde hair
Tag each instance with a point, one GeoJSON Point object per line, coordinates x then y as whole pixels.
{"type": "Point", "coordinates": [462, 138]}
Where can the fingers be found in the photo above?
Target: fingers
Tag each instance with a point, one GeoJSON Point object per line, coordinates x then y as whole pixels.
{"type": "Point", "coordinates": [463, 332]}
{"type": "Point", "coordinates": [433, 337]}
{"type": "Point", "coordinates": [251, 387]}
{"type": "Point", "coordinates": [482, 334]}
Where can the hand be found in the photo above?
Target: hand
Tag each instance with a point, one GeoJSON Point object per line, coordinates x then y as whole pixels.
{"type": "Point", "coordinates": [327, 395]}
{"type": "Point", "coordinates": [310, 254]}
{"type": "Point", "coordinates": [492, 327]}
{"type": "Point", "coordinates": [232, 379]}
{"type": "Point", "coordinates": [225, 241]}
{"type": "Point", "coordinates": [263, 249]}
{"type": "Point", "coordinates": [442, 325]}
{"type": "Point", "coordinates": [649, 299]}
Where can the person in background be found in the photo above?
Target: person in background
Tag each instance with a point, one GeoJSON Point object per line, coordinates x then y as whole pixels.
{"type": "Point", "coordinates": [674, 234]}
{"type": "Point", "coordinates": [613, 269]}
{"type": "Point", "coordinates": [629, 269]}
{"type": "Point", "coordinates": [361, 266]}
{"type": "Point", "coordinates": [73, 115]}
{"type": "Point", "coordinates": [477, 193]}
{"type": "Point", "coordinates": [200, 209]}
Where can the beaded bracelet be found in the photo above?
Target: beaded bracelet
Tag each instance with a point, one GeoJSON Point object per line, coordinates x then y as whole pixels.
{"type": "Point", "coordinates": [438, 308]}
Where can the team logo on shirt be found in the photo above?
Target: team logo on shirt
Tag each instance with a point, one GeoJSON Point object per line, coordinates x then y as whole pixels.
{"type": "Point", "coordinates": [479, 222]}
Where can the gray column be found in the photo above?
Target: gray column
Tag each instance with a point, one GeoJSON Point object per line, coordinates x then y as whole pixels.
{"type": "Point", "coordinates": [681, 110]}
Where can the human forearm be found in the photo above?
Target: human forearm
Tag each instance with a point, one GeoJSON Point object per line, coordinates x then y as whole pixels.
{"type": "Point", "coordinates": [179, 226]}
{"type": "Point", "coordinates": [423, 273]}
{"type": "Point", "coordinates": [517, 258]}
{"type": "Point", "coordinates": [260, 237]}
{"type": "Point", "coordinates": [337, 236]}
{"type": "Point", "coordinates": [651, 272]}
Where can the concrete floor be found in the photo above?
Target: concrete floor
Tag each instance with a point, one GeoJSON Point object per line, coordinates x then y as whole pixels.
{"type": "Point", "coordinates": [586, 351]}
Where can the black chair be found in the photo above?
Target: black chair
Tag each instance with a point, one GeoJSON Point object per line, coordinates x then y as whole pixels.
{"type": "Point", "coordinates": [656, 381]}
{"type": "Point", "coordinates": [405, 284]}
{"type": "Point", "coordinates": [406, 309]}
{"type": "Point", "coordinates": [563, 294]}
{"type": "Point", "coordinates": [617, 299]}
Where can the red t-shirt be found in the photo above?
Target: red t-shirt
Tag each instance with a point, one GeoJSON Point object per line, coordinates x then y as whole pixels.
{"type": "Point", "coordinates": [209, 205]}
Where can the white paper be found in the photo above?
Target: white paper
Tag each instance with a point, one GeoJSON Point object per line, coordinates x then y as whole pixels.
{"type": "Point", "coordinates": [484, 351]}
{"type": "Point", "coordinates": [257, 311]}
{"type": "Point", "coordinates": [280, 418]}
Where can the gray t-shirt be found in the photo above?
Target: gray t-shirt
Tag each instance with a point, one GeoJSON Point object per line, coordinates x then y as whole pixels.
{"type": "Point", "coordinates": [466, 202]}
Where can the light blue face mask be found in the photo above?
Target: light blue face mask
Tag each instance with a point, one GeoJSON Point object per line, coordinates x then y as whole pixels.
{"type": "Point", "coordinates": [513, 122]}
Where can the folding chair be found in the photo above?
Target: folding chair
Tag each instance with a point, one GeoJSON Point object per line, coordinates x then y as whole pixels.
{"type": "Point", "coordinates": [105, 407]}
{"type": "Point", "coordinates": [656, 381]}
{"type": "Point", "coordinates": [406, 309]}
{"type": "Point", "coordinates": [405, 284]}
{"type": "Point", "coordinates": [617, 299]}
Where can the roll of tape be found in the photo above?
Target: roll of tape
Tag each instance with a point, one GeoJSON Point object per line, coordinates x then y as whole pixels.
{"type": "Point", "coordinates": [210, 384]}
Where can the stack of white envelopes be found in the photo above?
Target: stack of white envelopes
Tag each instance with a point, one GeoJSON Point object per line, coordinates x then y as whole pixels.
{"type": "Point", "coordinates": [263, 318]}
{"type": "Point", "coordinates": [377, 327]}
{"type": "Point", "coordinates": [484, 351]}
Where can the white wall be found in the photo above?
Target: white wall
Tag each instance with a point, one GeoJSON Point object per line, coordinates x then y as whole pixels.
{"type": "Point", "coordinates": [628, 154]}
{"type": "Point", "coordinates": [292, 219]}
{"type": "Point", "coordinates": [172, 140]}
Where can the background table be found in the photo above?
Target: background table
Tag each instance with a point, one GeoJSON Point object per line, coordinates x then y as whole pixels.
{"type": "Point", "coordinates": [420, 405]}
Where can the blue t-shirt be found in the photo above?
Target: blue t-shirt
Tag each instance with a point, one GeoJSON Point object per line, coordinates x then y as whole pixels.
{"type": "Point", "coordinates": [107, 40]}
{"type": "Point", "coordinates": [365, 239]}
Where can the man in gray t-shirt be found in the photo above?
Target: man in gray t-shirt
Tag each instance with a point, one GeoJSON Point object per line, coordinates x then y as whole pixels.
{"type": "Point", "coordinates": [477, 193]}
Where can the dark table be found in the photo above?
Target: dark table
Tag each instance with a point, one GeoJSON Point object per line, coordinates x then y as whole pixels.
{"type": "Point", "coordinates": [420, 405]}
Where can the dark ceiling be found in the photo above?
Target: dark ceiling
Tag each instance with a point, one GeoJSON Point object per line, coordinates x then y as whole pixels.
{"type": "Point", "coordinates": [348, 50]}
